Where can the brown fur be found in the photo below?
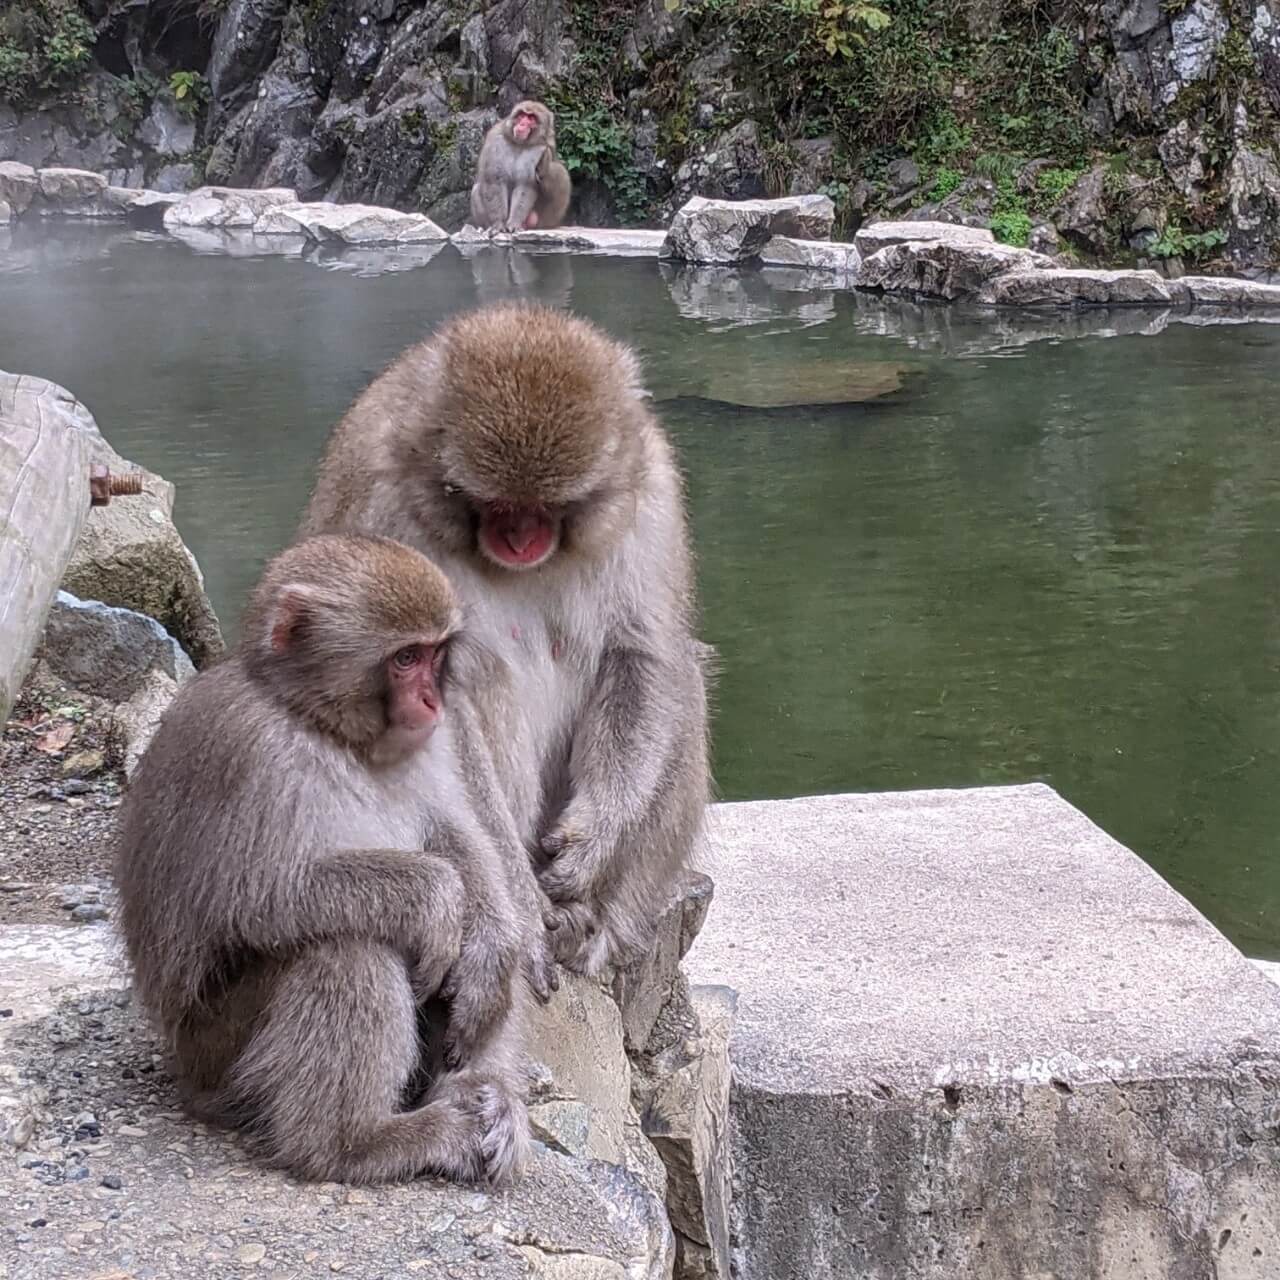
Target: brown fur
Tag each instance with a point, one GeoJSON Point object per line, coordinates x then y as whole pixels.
{"type": "Point", "coordinates": [515, 178]}
{"type": "Point", "coordinates": [283, 922]}
{"type": "Point", "coordinates": [597, 693]}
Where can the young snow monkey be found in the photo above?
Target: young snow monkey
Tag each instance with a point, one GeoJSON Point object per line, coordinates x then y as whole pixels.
{"type": "Point", "coordinates": [301, 870]}
{"type": "Point", "coordinates": [517, 449]}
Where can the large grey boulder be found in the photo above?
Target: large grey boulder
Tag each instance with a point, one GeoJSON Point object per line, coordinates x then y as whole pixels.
{"type": "Point", "coordinates": [1065, 287]}
{"type": "Point", "coordinates": [226, 206]}
{"type": "Point", "coordinates": [617, 242]}
{"type": "Point", "coordinates": [122, 657]}
{"type": "Point", "coordinates": [349, 224]}
{"type": "Point", "coordinates": [1229, 292]}
{"type": "Point", "coordinates": [880, 235]}
{"type": "Point", "coordinates": [147, 209]}
{"type": "Point", "coordinates": [977, 1037]}
{"type": "Point", "coordinates": [19, 186]}
{"type": "Point", "coordinates": [78, 193]}
{"type": "Point", "coordinates": [131, 555]}
{"type": "Point", "coordinates": [727, 231]}
{"type": "Point", "coordinates": [819, 256]}
{"type": "Point", "coordinates": [947, 269]}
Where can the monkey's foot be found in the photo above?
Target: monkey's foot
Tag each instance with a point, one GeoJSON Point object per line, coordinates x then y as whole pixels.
{"type": "Point", "coordinates": [501, 1117]}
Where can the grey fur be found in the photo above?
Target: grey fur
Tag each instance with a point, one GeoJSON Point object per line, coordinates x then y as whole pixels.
{"type": "Point", "coordinates": [595, 706]}
{"type": "Point", "coordinates": [285, 926]}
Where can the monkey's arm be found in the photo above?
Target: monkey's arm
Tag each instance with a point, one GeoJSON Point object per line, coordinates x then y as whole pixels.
{"type": "Point", "coordinates": [524, 195]}
{"type": "Point", "coordinates": [479, 984]}
{"type": "Point", "coordinates": [411, 902]}
{"type": "Point", "coordinates": [620, 750]}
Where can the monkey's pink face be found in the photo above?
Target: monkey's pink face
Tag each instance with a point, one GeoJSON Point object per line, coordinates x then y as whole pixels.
{"type": "Point", "coordinates": [415, 699]}
{"type": "Point", "coordinates": [518, 537]}
{"type": "Point", "coordinates": [523, 125]}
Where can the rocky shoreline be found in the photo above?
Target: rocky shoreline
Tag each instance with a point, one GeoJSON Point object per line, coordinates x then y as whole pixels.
{"type": "Point", "coordinates": [919, 259]}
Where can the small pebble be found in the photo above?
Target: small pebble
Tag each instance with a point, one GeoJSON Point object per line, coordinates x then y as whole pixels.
{"type": "Point", "coordinates": [88, 912]}
{"type": "Point", "coordinates": [112, 1181]}
{"type": "Point", "coordinates": [249, 1255]}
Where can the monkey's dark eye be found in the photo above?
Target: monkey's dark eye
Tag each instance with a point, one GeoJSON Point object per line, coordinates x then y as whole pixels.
{"type": "Point", "coordinates": [407, 658]}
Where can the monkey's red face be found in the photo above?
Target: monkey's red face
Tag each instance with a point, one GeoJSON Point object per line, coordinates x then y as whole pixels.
{"type": "Point", "coordinates": [415, 699]}
{"type": "Point", "coordinates": [523, 125]}
{"type": "Point", "coordinates": [518, 537]}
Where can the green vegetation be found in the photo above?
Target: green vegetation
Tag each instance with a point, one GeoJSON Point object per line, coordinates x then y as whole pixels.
{"type": "Point", "coordinates": [945, 181]}
{"type": "Point", "coordinates": [191, 91]}
{"type": "Point", "coordinates": [1195, 246]}
{"type": "Point", "coordinates": [593, 143]}
{"type": "Point", "coordinates": [44, 44]}
{"type": "Point", "coordinates": [1053, 184]}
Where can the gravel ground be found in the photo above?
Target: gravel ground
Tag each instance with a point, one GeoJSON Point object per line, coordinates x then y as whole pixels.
{"type": "Point", "coordinates": [60, 787]}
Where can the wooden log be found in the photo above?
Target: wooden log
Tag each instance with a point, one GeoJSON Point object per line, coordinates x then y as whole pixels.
{"type": "Point", "coordinates": [45, 436]}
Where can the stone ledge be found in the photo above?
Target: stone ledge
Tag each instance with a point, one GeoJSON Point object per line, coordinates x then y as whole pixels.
{"type": "Point", "coordinates": [975, 1036]}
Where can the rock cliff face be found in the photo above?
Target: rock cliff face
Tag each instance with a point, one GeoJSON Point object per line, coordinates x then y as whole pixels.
{"type": "Point", "coordinates": [1120, 130]}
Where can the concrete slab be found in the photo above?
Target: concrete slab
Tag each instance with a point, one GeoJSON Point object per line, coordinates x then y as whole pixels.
{"type": "Point", "coordinates": [977, 1037]}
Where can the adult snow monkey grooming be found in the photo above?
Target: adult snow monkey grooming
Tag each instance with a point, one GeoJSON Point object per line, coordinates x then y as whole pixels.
{"type": "Point", "coordinates": [516, 448]}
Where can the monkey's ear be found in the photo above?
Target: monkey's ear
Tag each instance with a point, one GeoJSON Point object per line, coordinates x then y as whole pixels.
{"type": "Point", "coordinates": [293, 605]}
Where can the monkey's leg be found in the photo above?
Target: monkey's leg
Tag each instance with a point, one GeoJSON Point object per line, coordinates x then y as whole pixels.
{"type": "Point", "coordinates": [497, 1076]}
{"type": "Point", "coordinates": [328, 1063]}
{"type": "Point", "coordinates": [489, 203]}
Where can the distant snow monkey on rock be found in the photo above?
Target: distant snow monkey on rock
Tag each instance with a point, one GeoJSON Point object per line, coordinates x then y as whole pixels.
{"type": "Point", "coordinates": [520, 184]}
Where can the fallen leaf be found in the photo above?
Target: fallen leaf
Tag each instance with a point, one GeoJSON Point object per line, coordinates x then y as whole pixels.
{"type": "Point", "coordinates": [56, 739]}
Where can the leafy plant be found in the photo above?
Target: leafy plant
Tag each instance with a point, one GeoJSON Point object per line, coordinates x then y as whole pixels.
{"type": "Point", "coordinates": [593, 144]}
{"type": "Point", "coordinates": [43, 44]}
{"type": "Point", "coordinates": [945, 181]}
{"type": "Point", "coordinates": [1175, 242]}
{"type": "Point", "coordinates": [191, 91]}
{"type": "Point", "coordinates": [1053, 184]}
{"type": "Point", "coordinates": [838, 23]}
{"type": "Point", "coordinates": [1012, 226]}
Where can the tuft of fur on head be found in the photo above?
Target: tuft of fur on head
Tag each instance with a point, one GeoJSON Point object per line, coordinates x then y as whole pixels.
{"type": "Point", "coordinates": [530, 400]}
{"type": "Point", "coordinates": [327, 614]}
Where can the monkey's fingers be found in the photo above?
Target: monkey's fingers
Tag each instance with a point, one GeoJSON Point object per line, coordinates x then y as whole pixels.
{"type": "Point", "coordinates": [542, 975]}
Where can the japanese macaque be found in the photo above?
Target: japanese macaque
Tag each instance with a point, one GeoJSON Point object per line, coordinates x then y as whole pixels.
{"type": "Point", "coordinates": [520, 184]}
{"type": "Point", "coordinates": [302, 872]}
{"type": "Point", "coordinates": [517, 450]}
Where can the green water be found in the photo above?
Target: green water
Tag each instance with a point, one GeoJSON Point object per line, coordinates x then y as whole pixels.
{"type": "Point", "coordinates": [1053, 561]}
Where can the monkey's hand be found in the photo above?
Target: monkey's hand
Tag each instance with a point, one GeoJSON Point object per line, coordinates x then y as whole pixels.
{"type": "Point", "coordinates": [579, 942]}
{"type": "Point", "coordinates": [540, 970]}
{"type": "Point", "coordinates": [479, 988]}
{"type": "Point", "coordinates": [574, 852]}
